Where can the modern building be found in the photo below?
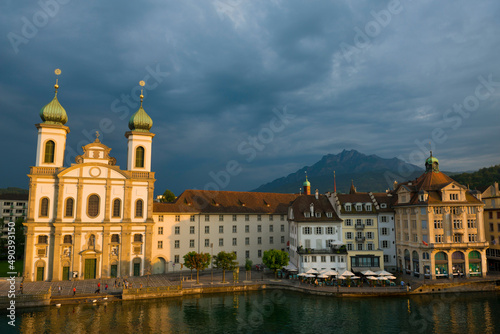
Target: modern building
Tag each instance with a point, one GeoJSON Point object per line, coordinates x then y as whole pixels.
{"type": "Point", "coordinates": [246, 223]}
{"type": "Point", "coordinates": [92, 219]}
{"type": "Point", "coordinates": [360, 230]}
{"type": "Point", "coordinates": [439, 226]}
{"type": "Point", "coordinates": [315, 235]}
{"type": "Point", "coordinates": [13, 206]}
{"type": "Point", "coordinates": [491, 199]}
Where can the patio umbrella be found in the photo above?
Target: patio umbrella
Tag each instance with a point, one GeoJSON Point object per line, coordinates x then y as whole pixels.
{"type": "Point", "coordinates": [391, 277]}
{"type": "Point", "coordinates": [331, 273]}
{"type": "Point", "coordinates": [372, 278]}
{"type": "Point", "coordinates": [310, 275]}
{"type": "Point", "coordinates": [323, 276]}
{"type": "Point", "coordinates": [302, 274]}
{"type": "Point", "coordinates": [368, 273]}
{"type": "Point", "coordinates": [382, 278]}
{"type": "Point", "coordinates": [383, 273]}
{"type": "Point", "coordinates": [341, 277]}
{"type": "Point", "coordinates": [312, 271]}
{"type": "Point", "coordinates": [347, 273]}
{"type": "Point", "coordinates": [355, 277]}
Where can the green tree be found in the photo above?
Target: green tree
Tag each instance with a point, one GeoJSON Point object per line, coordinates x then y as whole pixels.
{"type": "Point", "coordinates": [275, 259]}
{"type": "Point", "coordinates": [197, 261]}
{"type": "Point", "coordinates": [225, 261]}
{"type": "Point", "coordinates": [19, 238]}
{"type": "Point", "coordinates": [168, 197]}
{"type": "Point", "coordinates": [248, 267]}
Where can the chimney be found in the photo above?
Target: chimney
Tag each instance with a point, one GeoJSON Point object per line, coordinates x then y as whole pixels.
{"type": "Point", "coordinates": [317, 194]}
{"type": "Point", "coordinates": [395, 184]}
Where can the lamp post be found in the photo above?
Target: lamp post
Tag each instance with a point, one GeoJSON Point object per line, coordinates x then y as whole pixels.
{"type": "Point", "coordinates": [212, 261]}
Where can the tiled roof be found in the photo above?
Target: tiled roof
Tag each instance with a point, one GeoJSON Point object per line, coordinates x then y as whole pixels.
{"type": "Point", "coordinates": [322, 205]}
{"type": "Point", "coordinates": [14, 197]}
{"type": "Point", "coordinates": [209, 201]}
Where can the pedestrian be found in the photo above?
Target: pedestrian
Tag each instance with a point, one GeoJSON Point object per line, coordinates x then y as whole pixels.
{"type": "Point", "coordinates": [115, 283]}
{"type": "Point", "coordinates": [21, 287]}
{"type": "Point", "coordinates": [99, 285]}
{"type": "Point", "coordinates": [141, 285]}
{"type": "Point", "coordinates": [59, 289]}
{"type": "Point", "coordinates": [402, 284]}
{"type": "Point", "coordinates": [409, 286]}
{"type": "Point", "coordinates": [74, 291]}
{"type": "Point", "coordinates": [106, 287]}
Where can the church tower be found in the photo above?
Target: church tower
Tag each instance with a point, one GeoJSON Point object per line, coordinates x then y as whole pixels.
{"type": "Point", "coordinates": [52, 133]}
{"type": "Point", "coordinates": [139, 140]}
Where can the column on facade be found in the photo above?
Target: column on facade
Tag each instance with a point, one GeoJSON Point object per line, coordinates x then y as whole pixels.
{"type": "Point", "coordinates": [148, 249]}
{"type": "Point", "coordinates": [107, 200]}
{"type": "Point", "coordinates": [432, 256]}
{"type": "Point", "coordinates": [59, 199]}
{"type": "Point", "coordinates": [447, 225]}
{"type": "Point", "coordinates": [484, 262]}
{"type": "Point", "coordinates": [150, 200]}
{"type": "Point", "coordinates": [55, 258]}
{"type": "Point", "coordinates": [79, 200]}
{"type": "Point", "coordinates": [106, 239]}
{"type": "Point", "coordinates": [31, 202]}
{"type": "Point", "coordinates": [125, 250]}
{"type": "Point", "coordinates": [480, 225]}
{"type": "Point", "coordinates": [29, 270]}
{"type": "Point", "coordinates": [466, 269]}
{"type": "Point", "coordinates": [127, 202]}
{"type": "Point", "coordinates": [77, 261]}
{"type": "Point", "coordinates": [449, 263]}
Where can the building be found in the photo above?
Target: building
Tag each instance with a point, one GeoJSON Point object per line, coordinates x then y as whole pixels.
{"type": "Point", "coordinates": [92, 219]}
{"type": "Point", "coordinates": [439, 226]}
{"type": "Point", "coordinates": [386, 229]}
{"type": "Point", "coordinates": [246, 223]}
{"type": "Point", "coordinates": [315, 235]}
{"type": "Point", "coordinates": [491, 199]}
{"type": "Point", "coordinates": [13, 206]}
{"type": "Point", "coordinates": [360, 234]}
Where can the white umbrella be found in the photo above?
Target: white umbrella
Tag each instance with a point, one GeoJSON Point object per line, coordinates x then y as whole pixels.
{"type": "Point", "coordinates": [323, 276]}
{"type": "Point", "coordinates": [368, 273]}
{"type": "Point", "coordinates": [302, 274]}
{"type": "Point", "coordinates": [383, 273]}
{"type": "Point", "coordinates": [309, 275]}
{"type": "Point", "coordinates": [391, 277]}
{"type": "Point", "coordinates": [331, 273]}
{"type": "Point", "coordinates": [372, 278]}
{"type": "Point", "coordinates": [347, 273]}
{"type": "Point", "coordinates": [312, 271]}
{"type": "Point", "coordinates": [341, 277]}
{"type": "Point", "coordinates": [355, 277]}
{"type": "Point", "coordinates": [382, 278]}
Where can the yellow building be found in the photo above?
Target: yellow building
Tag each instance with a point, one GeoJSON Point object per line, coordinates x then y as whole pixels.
{"type": "Point", "coordinates": [91, 219]}
{"type": "Point", "coordinates": [439, 226]}
{"type": "Point", "coordinates": [491, 199]}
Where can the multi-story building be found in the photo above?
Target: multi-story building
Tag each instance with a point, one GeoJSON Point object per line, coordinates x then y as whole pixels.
{"type": "Point", "coordinates": [491, 199]}
{"type": "Point", "coordinates": [386, 229]}
{"type": "Point", "coordinates": [91, 219]}
{"type": "Point", "coordinates": [316, 235]}
{"type": "Point", "coordinates": [246, 223]}
{"type": "Point", "coordinates": [360, 234]}
{"type": "Point", "coordinates": [439, 226]}
{"type": "Point", "coordinates": [13, 206]}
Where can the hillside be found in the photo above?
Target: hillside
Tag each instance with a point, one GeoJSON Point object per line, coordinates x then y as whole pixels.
{"type": "Point", "coordinates": [479, 179]}
{"type": "Point", "coordinates": [369, 173]}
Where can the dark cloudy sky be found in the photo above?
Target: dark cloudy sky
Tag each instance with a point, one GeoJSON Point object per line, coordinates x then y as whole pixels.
{"type": "Point", "coordinates": [267, 86]}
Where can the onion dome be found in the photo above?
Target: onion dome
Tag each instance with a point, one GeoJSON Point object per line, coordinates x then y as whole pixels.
{"type": "Point", "coordinates": [140, 121]}
{"type": "Point", "coordinates": [432, 164]}
{"type": "Point", "coordinates": [306, 183]}
{"type": "Point", "coordinates": [53, 112]}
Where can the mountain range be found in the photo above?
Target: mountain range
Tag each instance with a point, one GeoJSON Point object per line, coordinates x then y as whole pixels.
{"type": "Point", "coordinates": [367, 172]}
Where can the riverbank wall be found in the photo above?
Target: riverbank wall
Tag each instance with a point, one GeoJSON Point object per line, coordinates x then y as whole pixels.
{"type": "Point", "coordinates": [476, 286]}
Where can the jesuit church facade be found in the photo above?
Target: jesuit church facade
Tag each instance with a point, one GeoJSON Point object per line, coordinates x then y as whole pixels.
{"type": "Point", "coordinates": [92, 219]}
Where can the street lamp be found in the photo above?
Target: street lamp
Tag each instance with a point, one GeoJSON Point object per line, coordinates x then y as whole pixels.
{"type": "Point", "coordinates": [212, 261]}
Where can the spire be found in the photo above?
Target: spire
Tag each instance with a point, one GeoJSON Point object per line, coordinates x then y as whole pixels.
{"type": "Point", "coordinates": [53, 112]}
{"type": "Point", "coordinates": [140, 121]}
{"type": "Point", "coordinates": [307, 186]}
{"type": "Point", "coordinates": [353, 188]}
{"type": "Point", "coordinates": [334, 183]}
{"type": "Point", "coordinates": [431, 164]}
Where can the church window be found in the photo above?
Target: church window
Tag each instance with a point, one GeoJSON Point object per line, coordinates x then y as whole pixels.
{"type": "Point", "coordinates": [49, 152]}
{"type": "Point", "coordinates": [139, 157]}
{"type": "Point", "coordinates": [43, 239]}
{"type": "Point", "coordinates": [44, 207]}
{"type": "Point", "coordinates": [69, 207]}
{"type": "Point", "coordinates": [138, 208]}
{"type": "Point", "coordinates": [115, 238]}
{"type": "Point", "coordinates": [117, 203]}
{"type": "Point", "coordinates": [67, 239]}
{"type": "Point", "coordinates": [93, 206]}
{"type": "Point", "coordinates": [137, 237]}
{"type": "Point", "coordinates": [92, 241]}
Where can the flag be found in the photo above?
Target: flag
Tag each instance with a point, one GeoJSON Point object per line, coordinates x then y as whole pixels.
{"type": "Point", "coordinates": [425, 243]}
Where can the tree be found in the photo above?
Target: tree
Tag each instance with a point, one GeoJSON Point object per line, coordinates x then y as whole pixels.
{"type": "Point", "coordinates": [275, 259]}
{"type": "Point", "coordinates": [248, 267]}
{"type": "Point", "coordinates": [225, 261]}
{"type": "Point", "coordinates": [168, 197]}
{"type": "Point", "coordinates": [197, 261]}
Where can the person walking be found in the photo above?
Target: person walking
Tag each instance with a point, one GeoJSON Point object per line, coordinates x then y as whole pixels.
{"type": "Point", "coordinates": [59, 289]}
{"type": "Point", "coordinates": [106, 287]}
{"type": "Point", "coordinates": [74, 291]}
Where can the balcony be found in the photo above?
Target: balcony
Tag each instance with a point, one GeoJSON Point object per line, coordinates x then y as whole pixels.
{"type": "Point", "coordinates": [362, 239]}
{"type": "Point", "coordinates": [341, 250]}
{"type": "Point", "coordinates": [359, 226]}
{"type": "Point", "coordinates": [463, 245]}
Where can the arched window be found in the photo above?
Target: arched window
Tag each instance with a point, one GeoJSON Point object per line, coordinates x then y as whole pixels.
{"type": "Point", "coordinates": [44, 207]}
{"type": "Point", "coordinates": [139, 157]}
{"type": "Point", "coordinates": [93, 206]}
{"type": "Point", "coordinates": [67, 239]}
{"type": "Point", "coordinates": [137, 237]}
{"type": "Point", "coordinates": [49, 152]}
{"type": "Point", "coordinates": [43, 239]}
{"type": "Point", "coordinates": [138, 208]}
{"type": "Point", "coordinates": [69, 207]}
{"type": "Point", "coordinates": [115, 238]}
{"type": "Point", "coordinates": [117, 204]}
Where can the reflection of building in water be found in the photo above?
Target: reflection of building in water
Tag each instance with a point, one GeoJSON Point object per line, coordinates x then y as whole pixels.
{"type": "Point", "coordinates": [439, 226]}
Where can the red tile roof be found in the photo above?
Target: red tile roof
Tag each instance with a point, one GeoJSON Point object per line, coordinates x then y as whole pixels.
{"type": "Point", "coordinates": [322, 205]}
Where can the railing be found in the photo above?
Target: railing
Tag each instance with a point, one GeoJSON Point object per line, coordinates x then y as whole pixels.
{"type": "Point", "coordinates": [360, 239]}
{"type": "Point", "coordinates": [44, 170]}
{"type": "Point", "coordinates": [142, 175]}
{"type": "Point", "coordinates": [359, 226]}
{"type": "Point", "coordinates": [322, 251]}
{"type": "Point", "coordinates": [136, 291]}
{"type": "Point", "coordinates": [462, 244]}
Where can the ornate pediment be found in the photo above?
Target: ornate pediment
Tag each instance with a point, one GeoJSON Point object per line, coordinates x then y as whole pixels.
{"type": "Point", "coordinates": [96, 152]}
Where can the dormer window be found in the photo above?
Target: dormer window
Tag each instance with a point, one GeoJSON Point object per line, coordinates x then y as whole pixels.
{"type": "Point", "coordinates": [318, 214]}
{"type": "Point", "coordinates": [359, 207]}
{"type": "Point", "coordinates": [329, 215]}
{"type": "Point", "coordinates": [383, 205]}
{"type": "Point", "coordinates": [348, 207]}
{"type": "Point", "coordinates": [453, 197]}
{"type": "Point", "coordinates": [307, 214]}
{"type": "Point", "coordinates": [368, 207]}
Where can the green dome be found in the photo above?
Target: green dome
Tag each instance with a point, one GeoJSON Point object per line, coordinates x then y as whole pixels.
{"type": "Point", "coordinates": [430, 160]}
{"type": "Point", "coordinates": [140, 121]}
{"type": "Point", "coordinates": [306, 183]}
{"type": "Point", "coordinates": [54, 113]}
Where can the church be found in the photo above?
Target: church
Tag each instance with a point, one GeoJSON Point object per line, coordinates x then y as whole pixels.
{"type": "Point", "coordinates": [92, 219]}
